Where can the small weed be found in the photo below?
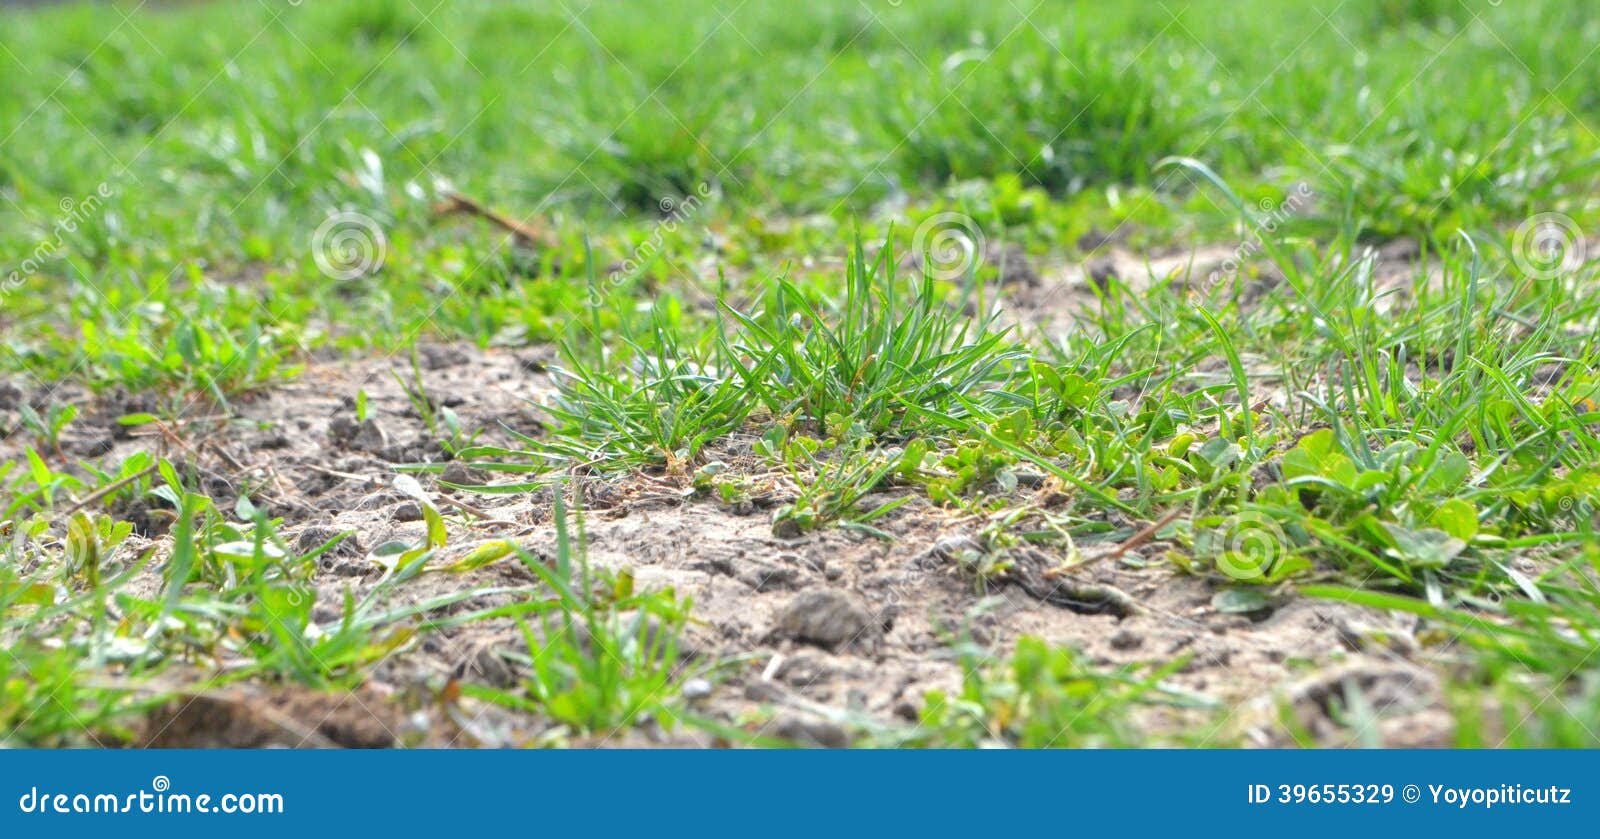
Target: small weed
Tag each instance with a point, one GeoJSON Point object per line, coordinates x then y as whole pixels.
{"type": "Point", "coordinates": [443, 424]}
{"type": "Point", "coordinates": [880, 353]}
{"type": "Point", "coordinates": [600, 657]}
{"type": "Point", "coordinates": [1043, 697]}
{"type": "Point", "coordinates": [833, 477]}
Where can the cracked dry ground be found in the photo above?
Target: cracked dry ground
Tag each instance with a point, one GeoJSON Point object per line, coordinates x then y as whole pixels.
{"type": "Point", "coordinates": [816, 635]}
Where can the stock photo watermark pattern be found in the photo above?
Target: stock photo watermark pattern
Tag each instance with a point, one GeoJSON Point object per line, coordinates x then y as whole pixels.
{"type": "Point", "coordinates": [73, 214]}
{"type": "Point", "coordinates": [1263, 225]}
{"type": "Point", "coordinates": [348, 246]}
{"type": "Point", "coordinates": [949, 246]}
{"type": "Point", "coordinates": [675, 213]}
{"type": "Point", "coordinates": [1549, 245]}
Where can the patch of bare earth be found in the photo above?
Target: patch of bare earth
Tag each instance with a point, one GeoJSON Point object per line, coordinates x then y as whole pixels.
{"type": "Point", "coordinates": [1053, 296]}
{"type": "Point", "coordinates": [820, 632]}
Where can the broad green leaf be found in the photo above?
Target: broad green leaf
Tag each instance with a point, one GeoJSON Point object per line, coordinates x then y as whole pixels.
{"type": "Point", "coordinates": [1425, 548]}
{"type": "Point", "coordinates": [1456, 517]}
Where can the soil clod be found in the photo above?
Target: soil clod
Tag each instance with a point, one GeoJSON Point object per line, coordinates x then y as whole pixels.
{"type": "Point", "coordinates": [827, 618]}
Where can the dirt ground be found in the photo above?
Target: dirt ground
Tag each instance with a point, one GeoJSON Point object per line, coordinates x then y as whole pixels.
{"type": "Point", "coordinates": [826, 631]}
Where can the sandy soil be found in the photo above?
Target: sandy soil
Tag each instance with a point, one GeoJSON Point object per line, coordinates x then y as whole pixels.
{"type": "Point", "coordinates": [823, 632]}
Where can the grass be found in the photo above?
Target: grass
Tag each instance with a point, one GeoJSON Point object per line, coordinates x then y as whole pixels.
{"type": "Point", "coordinates": [602, 658]}
{"type": "Point", "coordinates": [732, 208]}
{"type": "Point", "coordinates": [885, 349]}
{"type": "Point", "coordinates": [1044, 697]}
{"type": "Point", "coordinates": [1058, 111]}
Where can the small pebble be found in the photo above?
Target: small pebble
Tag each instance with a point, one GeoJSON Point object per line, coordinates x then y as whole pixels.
{"type": "Point", "coordinates": [1125, 640]}
{"type": "Point", "coordinates": [696, 689]}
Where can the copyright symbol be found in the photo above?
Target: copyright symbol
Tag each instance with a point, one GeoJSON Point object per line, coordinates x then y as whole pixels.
{"type": "Point", "coordinates": [951, 245]}
{"type": "Point", "coordinates": [1252, 545]}
{"type": "Point", "coordinates": [1411, 794]}
{"type": "Point", "coordinates": [1548, 245]}
{"type": "Point", "coordinates": [349, 245]}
